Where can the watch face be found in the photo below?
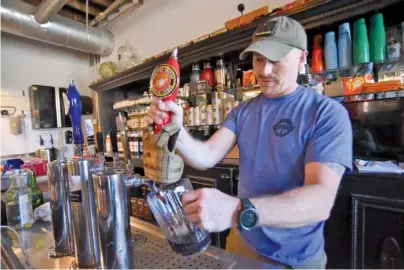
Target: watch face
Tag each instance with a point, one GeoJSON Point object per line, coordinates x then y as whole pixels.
{"type": "Point", "coordinates": [249, 218]}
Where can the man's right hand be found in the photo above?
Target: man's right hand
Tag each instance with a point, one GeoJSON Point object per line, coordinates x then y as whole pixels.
{"type": "Point", "coordinates": [159, 109]}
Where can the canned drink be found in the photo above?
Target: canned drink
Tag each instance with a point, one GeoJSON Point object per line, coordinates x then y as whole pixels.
{"type": "Point", "coordinates": [202, 112]}
{"type": "Point", "coordinates": [191, 116]}
{"type": "Point", "coordinates": [197, 116]}
{"type": "Point", "coordinates": [216, 112]}
{"type": "Point", "coordinates": [209, 115]}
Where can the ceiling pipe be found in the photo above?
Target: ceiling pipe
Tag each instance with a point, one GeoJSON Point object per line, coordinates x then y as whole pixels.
{"type": "Point", "coordinates": [16, 19]}
{"type": "Point", "coordinates": [114, 6]}
{"type": "Point", "coordinates": [101, 16]}
{"type": "Point", "coordinates": [47, 9]}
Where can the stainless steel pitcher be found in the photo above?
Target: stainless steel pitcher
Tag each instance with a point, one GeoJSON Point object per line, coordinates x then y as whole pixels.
{"type": "Point", "coordinates": [113, 212]}
{"type": "Point", "coordinates": [84, 216]}
{"type": "Point", "coordinates": [60, 208]}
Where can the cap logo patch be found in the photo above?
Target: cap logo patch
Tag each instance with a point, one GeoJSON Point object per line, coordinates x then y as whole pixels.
{"type": "Point", "coordinates": [266, 29]}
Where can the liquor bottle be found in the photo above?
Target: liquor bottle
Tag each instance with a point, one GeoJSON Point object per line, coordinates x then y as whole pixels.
{"type": "Point", "coordinates": [140, 142]}
{"type": "Point", "coordinates": [37, 197]}
{"type": "Point", "coordinates": [130, 142]}
{"type": "Point", "coordinates": [208, 74]}
{"type": "Point", "coordinates": [19, 208]}
{"type": "Point", "coordinates": [196, 74]}
{"type": "Point", "coordinates": [135, 144]}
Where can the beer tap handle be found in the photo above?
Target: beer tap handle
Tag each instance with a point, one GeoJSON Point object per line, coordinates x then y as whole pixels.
{"type": "Point", "coordinates": [75, 115]}
{"type": "Point", "coordinates": [100, 146]}
{"type": "Point", "coordinates": [100, 142]}
{"type": "Point", "coordinates": [114, 144]}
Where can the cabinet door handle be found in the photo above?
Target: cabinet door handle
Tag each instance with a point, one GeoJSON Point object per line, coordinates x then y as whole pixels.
{"type": "Point", "coordinates": [224, 176]}
{"type": "Point", "coordinates": [391, 256]}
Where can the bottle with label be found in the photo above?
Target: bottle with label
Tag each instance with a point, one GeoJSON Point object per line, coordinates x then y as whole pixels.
{"type": "Point", "coordinates": [220, 74]}
{"type": "Point", "coordinates": [108, 144]}
{"type": "Point", "coordinates": [130, 144]}
{"type": "Point", "coordinates": [120, 146]}
{"type": "Point", "coordinates": [37, 197]}
{"type": "Point", "coordinates": [135, 144]}
{"type": "Point", "coordinates": [19, 208]}
{"type": "Point", "coordinates": [140, 142]}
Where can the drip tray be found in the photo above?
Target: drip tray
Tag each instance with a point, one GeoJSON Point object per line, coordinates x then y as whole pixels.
{"type": "Point", "coordinates": [153, 252]}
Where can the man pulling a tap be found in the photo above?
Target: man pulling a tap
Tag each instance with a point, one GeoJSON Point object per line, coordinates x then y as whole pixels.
{"type": "Point", "coordinates": [294, 144]}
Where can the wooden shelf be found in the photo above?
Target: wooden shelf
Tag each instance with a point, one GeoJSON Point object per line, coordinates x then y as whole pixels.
{"type": "Point", "coordinates": [315, 14]}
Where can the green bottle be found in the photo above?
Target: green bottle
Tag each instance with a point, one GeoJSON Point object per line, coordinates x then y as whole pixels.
{"type": "Point", "coordinates": [37, 197]}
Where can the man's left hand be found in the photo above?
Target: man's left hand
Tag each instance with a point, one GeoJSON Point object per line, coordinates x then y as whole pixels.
{"type": "Point", "coordinates": [212, 209]}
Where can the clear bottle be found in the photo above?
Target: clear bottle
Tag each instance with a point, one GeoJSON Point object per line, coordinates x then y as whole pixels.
{"type": "Point", "coordinates": [220, 74]}
{"type": "Point", "coordinates": [196, 74]}
{"type": "Point", "coordinates": [19, 208]}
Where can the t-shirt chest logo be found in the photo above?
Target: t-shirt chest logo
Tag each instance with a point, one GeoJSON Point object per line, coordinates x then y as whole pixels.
{"type": "Point", "coordinates": [283, 127]}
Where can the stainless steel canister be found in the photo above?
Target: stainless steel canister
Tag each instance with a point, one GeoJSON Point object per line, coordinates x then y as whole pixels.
{"type": "Point", "coordinates": [113, 212]}
{"type": "Point", "coordinates": [84, 213]}
{"type": "Point", "coordinates": [60, 208]}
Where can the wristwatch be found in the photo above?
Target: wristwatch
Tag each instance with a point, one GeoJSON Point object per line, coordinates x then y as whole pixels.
{"type": "Point", "coordinates": [248, 217]}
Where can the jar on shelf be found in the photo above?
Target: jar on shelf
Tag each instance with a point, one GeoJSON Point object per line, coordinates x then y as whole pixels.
{"type": "Point", "coordinates": [127, 57]}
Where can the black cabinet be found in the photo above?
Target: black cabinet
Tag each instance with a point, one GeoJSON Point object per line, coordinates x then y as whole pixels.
{"type": "Point", "coordinates": [220, 177]}
{"type": "Point", "coordinates": [49, 107]}
{"type": "Point", "coordinates": [366, 226]}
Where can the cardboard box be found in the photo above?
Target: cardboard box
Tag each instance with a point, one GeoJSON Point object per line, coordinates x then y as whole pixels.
{"type": "Point", "coordinates": [334, 89]}
{"type": "Point", "coordinates": [247, 18]}
{"type": "Point", "coordinates": [356, 85]}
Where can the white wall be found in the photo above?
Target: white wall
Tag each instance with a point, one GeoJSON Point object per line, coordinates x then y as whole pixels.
{"type": "Point", "coordinates": [159, 25]}
{"type": "Point", "coordinates": [25, 62]}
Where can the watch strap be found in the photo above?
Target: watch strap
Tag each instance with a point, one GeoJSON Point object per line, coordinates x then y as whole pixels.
{"type": "Point", "coordinates": [246, 203]}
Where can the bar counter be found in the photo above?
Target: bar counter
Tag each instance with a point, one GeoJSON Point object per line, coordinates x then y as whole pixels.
{"type": "Point", "coordinates": [150, 250]}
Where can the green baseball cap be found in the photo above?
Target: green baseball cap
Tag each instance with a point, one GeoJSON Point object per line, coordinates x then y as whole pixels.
{"type": "Point", "coordinates": [276, 37]}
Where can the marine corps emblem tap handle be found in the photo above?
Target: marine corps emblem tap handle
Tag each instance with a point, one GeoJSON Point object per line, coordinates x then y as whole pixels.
{"type": "Point", "coordinates": [160, 161]}
{"type": "Point", "coordinates": [164, 84]}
